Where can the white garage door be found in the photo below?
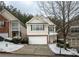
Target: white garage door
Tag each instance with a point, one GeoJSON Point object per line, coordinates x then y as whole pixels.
{"type": "Point", "coordinates": [38, 40]}
{"type": "Point", "coordinates": [5, 35]}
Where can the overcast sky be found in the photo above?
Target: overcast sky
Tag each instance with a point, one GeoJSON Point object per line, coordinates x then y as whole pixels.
{"type": "Point", "coordinates": [30, 7]}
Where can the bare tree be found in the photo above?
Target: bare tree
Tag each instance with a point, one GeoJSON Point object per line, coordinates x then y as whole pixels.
{"type": "Point", "coordinates": [61, 10]}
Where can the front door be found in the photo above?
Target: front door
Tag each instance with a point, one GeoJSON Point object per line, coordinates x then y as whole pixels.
{"type": "Point", "coordinates": [14, 33]}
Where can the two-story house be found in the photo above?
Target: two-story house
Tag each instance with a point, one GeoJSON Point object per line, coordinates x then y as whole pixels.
{"type": "Point", "coordinates": [73, 35]}
{"type": "Point", "coordinates": [10, 26]}
{"type": "Point", "coordinates": [40, 30]}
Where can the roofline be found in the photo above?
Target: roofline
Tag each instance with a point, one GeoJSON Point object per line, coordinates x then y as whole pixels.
{"type": "Point", "coordinates": [51, 21]}
{"type": "Point", "coordinates": [12, 15]}
{"type": "Point", "coordinates": [41, 23]}
{"type": "Point", "coordinates": [37, 23]}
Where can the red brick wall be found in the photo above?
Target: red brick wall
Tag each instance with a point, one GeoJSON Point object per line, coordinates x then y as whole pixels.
{"type": "Point", "coordinates": [5, 28]}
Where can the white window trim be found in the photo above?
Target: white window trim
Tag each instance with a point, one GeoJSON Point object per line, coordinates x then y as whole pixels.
{"type": "Point", "coordinates": [36, 25]}
{"type": "Point", "coordinates": [0, 24]}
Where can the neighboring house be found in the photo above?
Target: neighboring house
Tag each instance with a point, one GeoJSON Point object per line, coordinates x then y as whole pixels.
{"type": "Point", "coordinates": [10, 26]}
{"type": "Point", "coordinates": [73, 36]}
{"type": "Point", "coordinates": [40, 30]}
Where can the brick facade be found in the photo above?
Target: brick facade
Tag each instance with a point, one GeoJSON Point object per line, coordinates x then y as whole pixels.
{"type": "Point", "coordinates": [5, 28]}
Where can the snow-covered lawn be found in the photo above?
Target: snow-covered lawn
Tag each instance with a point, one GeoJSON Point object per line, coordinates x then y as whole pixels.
{"type": "Point", "coordinates": [56, 50]}
{"type": "Point", "coordinates": [9, 47]}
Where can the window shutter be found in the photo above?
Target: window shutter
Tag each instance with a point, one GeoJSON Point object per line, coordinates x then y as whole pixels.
{"type": "Point", "coordinates": [31, 27]}
{"type": "Point", "coordinates": [4, 23]}
{"type": "Point", "coordinates": [43, 26]}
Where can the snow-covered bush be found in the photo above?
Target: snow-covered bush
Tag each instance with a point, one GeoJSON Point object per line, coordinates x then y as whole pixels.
{"type": "Point", "coordinates": [16, 39]}
{"type": "Point", "coordinates": [24, 40]}
{"type": "Point", "coordinates": [60, 43]}
{"type": "Point", "coordinates": [2, 39]}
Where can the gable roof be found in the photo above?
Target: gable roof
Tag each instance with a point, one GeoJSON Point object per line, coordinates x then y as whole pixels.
{"type": "Point", "coordinates": [40, 19]}
{"type": "Point", "coordinates": [2, 18]}
{"type": "Point", "coordinates": [9, 16]}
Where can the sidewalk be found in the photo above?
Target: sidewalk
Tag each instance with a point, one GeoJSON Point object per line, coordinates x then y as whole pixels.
{"type": "Point", "coordinates": [35, 50]}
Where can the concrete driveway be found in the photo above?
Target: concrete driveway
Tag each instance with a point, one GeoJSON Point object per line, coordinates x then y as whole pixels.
{"type": "Point", "coordinates": [35, 50]}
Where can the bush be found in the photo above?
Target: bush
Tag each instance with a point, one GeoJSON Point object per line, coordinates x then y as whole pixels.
{"type": "Point", "coordinates": [62, 45]}
{"type": "Point", "coordinates": [16, 40]}
{"type": "Point", "coordinates": [60, 41]}
{"type": "Point", "coordinates": [24, 40]}
{"type": "Point", "coordinates": [67, 45]}
{"type": "Point", "coordinates": [1, 38]}
{"type": "Point", "coordinates": [8, 40]}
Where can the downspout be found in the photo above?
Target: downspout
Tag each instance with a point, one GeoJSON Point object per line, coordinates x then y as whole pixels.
{"type": "Point", "coordinates": [19, 28]}
{"type": "Point", "coordinates": [48, 35]}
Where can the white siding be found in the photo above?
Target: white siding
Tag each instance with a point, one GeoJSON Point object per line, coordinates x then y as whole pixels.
{"type": "Point", "coordinates": [44, 32]}
{"type": "Point", "coordinates": [5, 35]}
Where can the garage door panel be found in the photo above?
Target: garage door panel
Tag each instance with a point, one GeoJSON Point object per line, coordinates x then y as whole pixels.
{"type": "Point", "coordinates": [38, 40]}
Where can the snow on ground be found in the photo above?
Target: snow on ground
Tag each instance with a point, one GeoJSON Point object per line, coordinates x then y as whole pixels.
{"type": "Point", "coordinates": [9, 47]}
{"type": "Point", "coordinates": [56, 50]}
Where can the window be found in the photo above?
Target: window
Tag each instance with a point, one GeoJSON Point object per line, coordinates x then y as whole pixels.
{"type": "Point", "coordinates": [75, 29]}
{"type": "Point", "coordinates": [51, 28]}
{"type": "Point", "coordinates": [14, 26]}
{"type": "Point", "coordinates": [37, 27]}
{"type": "Point", "coordinates": [14, 29]}
{"type": "Point", "coordinates": [74, 42]}
{"type": "Point", "coordinates": [1, 23]}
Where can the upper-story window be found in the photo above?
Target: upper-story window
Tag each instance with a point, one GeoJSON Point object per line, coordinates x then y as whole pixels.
{"type": "Point", "coordinates": [1, 23]}
{"type": "Point", "coordinates": [51, 28]}
{"type": "Point", "coordinates": [74, 30]}
{"type": "Point", "coordinates": [15, 24]}
{"type": "Point", "coordinates": [37, 27]}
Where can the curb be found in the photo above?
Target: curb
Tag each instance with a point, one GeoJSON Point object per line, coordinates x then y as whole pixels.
{"type": "Point", "coordinates": [38, 55]}
{"type": "Point", "coordinates": [66, 55]}
{"type": "Point", "coordinates": [28, 54]}
{"type": "Point", "coordinates": [33, 54]}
